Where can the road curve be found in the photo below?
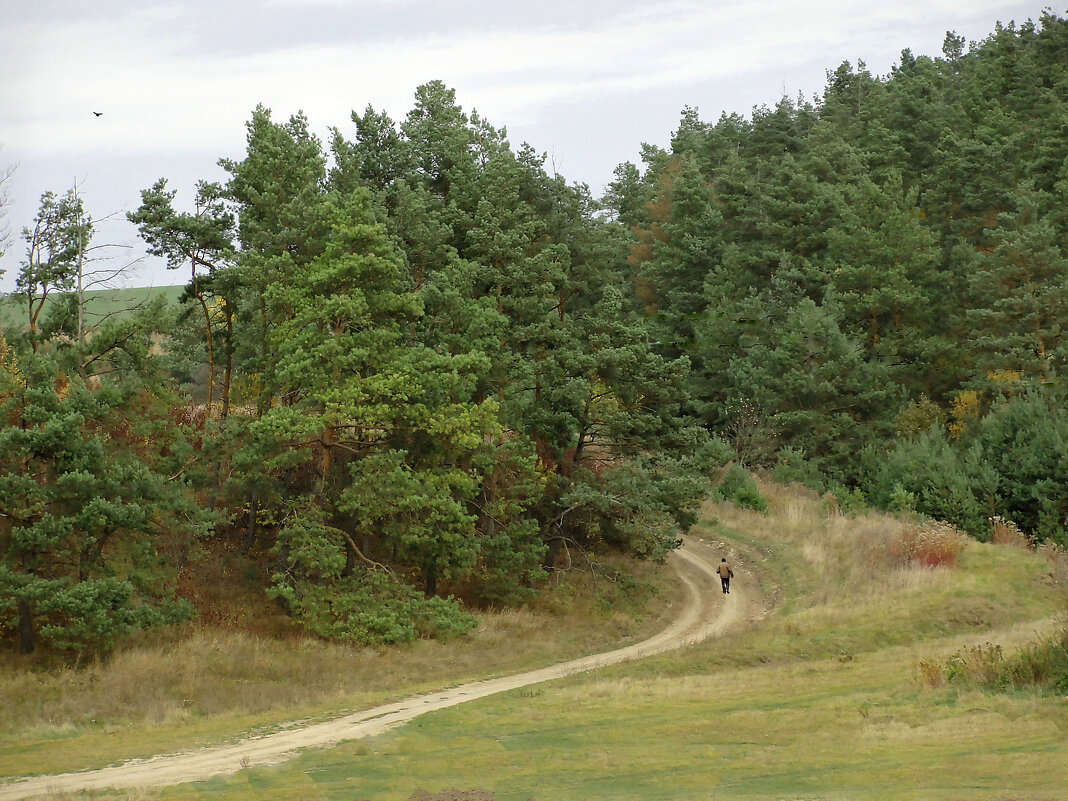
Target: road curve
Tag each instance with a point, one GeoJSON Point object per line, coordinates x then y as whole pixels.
{"type": "Point", "coordinates": [706, 613]}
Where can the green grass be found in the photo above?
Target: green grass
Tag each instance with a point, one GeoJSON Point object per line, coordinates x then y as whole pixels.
{"type": "Point", "coordinates": [822, 700]}
{"type": "Point", "coordinates": [200, 685]}
{"type": "Point", "coordinates": [99, 303]}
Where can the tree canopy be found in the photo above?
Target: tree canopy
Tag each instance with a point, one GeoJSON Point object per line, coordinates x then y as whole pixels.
{"type": "Point", "coordinates": [414, 373]}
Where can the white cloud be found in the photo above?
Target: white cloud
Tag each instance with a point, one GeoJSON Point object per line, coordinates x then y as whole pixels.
{"type": "Point", "coordinates": [157, 95]}
{"type": "Point", "coordinates": [176, 81]}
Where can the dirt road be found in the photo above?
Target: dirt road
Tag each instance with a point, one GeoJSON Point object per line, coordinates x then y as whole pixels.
{"type": "Point", "coordinates": [706, 613]}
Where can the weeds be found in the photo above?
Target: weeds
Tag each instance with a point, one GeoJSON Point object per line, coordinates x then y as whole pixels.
{"type": "Point", "coordinates": [1057, 556]}
{"type": "Point", "coordinates": [1005, 532]}
{"type": "Point", "coordinates": [932, 543]}
{"type": "Point", "coordinates": [975, 664]}
{"type": "Point", "coordinates": [931, 673]}
{"type": "Point", "coordinates": [1042, 664]}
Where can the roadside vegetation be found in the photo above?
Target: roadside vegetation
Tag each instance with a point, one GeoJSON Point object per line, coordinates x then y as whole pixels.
{"type": "Point", "coordinates": [425, 411]}
{"type": "Point", "coordinates": [829, 696]}
{"type": "Point", "coordinates": [247, 668]}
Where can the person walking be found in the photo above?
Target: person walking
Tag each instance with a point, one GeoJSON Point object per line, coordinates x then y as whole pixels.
{"type": "Point", "coordinates": [725, 575]}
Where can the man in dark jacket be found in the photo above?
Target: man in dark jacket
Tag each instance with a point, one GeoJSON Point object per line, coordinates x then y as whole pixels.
{"type": "Point", "coordinates": [725, 574]}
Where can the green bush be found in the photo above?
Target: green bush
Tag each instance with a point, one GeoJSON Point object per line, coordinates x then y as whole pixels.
{"type": "Point", "coordinates": [737, 487]}
{"type": "Point", "coordinates": [373, 607]}
{"type": "Point", "coordinates": [1013, 463]}
{"type": "Point", "coordinates": [794, 467]}
{"type": "Point", "coordinates": [935, 476]}
{"type": "Point", "coordinates": [1043, 664]}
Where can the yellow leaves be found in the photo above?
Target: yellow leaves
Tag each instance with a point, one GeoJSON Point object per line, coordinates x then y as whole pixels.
{"type": "Point", "coordinates": [217, 310]}
{"type": "Point", "coordinates": [965, 409]}
{"type": "Point", "coordinates": [62, 387]}
{"type": "Point", "coordinates": [1005, 376]}
{"type": "Point", "coordinates": [966, 406]}
{"type": "Point", "coordinates": [8, 365]}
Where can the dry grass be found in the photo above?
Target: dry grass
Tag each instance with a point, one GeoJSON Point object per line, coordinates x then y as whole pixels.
{"type": "Point", "coordinates": [821, 700]}
{"type": "Point", "coordinates": [1005, 532]}
{"type": "Point", "coordinates": [870, 556]}
{"type": "Point", "coordinates": [931, 543]}
{"type": "Point", "coordinates": [1057, 556]}
{"type": "Point", "coordinates": [230, 676]}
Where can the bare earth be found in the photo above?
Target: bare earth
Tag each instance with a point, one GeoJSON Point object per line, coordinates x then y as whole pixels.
{"type": "Point", "coordinates": [706, 613]}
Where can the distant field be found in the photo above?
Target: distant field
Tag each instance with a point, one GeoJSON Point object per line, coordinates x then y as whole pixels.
{"type": "Point", "coordinates": [99, 303]}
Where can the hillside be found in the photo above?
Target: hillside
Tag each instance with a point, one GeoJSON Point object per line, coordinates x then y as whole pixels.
{"type": "Point", "coordinates": [100, 304]}
{"type": "Point", "coordinates": [432, 415]}
{"type": "Point", "coordinates": [419, 373]}
{"type": "Point", "coordinates": [846, 690]}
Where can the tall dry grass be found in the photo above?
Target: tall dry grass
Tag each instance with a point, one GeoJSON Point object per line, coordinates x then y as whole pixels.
{"type": "Point", "coordinates": [1007, 533]}
{"type": "Point", "coordinates": [871, 555]}
{"type": "Point", "coordinates": [1057, 556]}
{"type": "Point", "coordinates": [202, 671]}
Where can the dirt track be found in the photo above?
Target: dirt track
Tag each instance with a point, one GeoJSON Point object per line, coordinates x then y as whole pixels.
{"type": "Point", "coordinates": [707, 613]}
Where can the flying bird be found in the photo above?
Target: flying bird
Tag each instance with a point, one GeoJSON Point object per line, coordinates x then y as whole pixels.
{"type": "Point", "coordinates": [98, 113]}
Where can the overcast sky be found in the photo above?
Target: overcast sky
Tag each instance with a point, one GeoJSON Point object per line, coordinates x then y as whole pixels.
{"type": "Point", "coordinates": [585, 81]}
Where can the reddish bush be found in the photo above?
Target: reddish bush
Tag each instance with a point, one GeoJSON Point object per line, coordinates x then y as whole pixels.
{"type": "Point", "coordinates": [932, 543]}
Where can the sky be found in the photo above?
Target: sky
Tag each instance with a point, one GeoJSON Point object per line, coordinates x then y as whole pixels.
{"type": "Point", "coordinates": [584, 81]}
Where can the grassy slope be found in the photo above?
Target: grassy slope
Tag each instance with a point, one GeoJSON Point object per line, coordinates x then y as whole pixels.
{"type": "Point", "coordinates": [215, 683]}
{"type": "Point", "coordinates": [820, 701]}
{"type": "Point", "coordinates": [99, 303]}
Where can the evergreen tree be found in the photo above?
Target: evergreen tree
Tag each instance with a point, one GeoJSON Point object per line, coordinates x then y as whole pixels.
{"type": "Point", "coordinates": [1021, 287]}
{"type": "Point", "coordinates": [203, 239]}
{"type": "Point", "coordinates": [54, 250]}
{"type": "Point", "coordinates": [93, 482]}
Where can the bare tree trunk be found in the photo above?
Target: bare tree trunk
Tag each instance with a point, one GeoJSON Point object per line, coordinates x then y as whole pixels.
{"type": "Point", "coordinates": [251, 529]}
{"type": "Point", "coordinates": [209, 343]}
{"type": "Point", "coordinates": [431, 578]}
{"type": "Point", "coordinates": [549, 562]}
{"type": "Point", "coordinates": [25, 627]}
{"type": "Point", "coordinates": [228, 372]}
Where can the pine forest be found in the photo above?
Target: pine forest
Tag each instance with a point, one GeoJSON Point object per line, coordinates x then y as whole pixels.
{"type": "Point", "coordinates": [413, 371]}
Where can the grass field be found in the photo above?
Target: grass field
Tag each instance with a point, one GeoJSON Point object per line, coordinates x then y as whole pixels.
{"type": "Point", "coordinates": [213, 683]}
{"type": "Point", "coordinates": [824, 699]}
{"type": "Point", "coordinates": [99, 303]}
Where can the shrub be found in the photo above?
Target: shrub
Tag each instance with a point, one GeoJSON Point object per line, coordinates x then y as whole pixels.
{"type": "Point", "coordinates": [793, 466]}
{"type": "Point", "coordinates": [931, 543]}
{"type": "Point", "coordinates": [918, 417]}
{"type": "Point", "coordinates": [975, 664]}
{"type": "Point", "coordinates": [1024, 439]}
{"type": "Point", "coordinates": [373, 608]}
{"type": "Point", "coordinates": [737, 487]}
{"type": "Point", "coordinates": [902, 501]}
{"type": "Point", "coordinates": [931, 673]}
{"type": "Point", "coordinates": [1043, 664]}
{"type": "Point", "coordinates": [1005, 532]}
{"type": "Point", "coordinates": [931, 475]}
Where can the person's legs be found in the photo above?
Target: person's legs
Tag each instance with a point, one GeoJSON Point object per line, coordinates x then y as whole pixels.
{"type": "Point", "coordinates": [725, 581]}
